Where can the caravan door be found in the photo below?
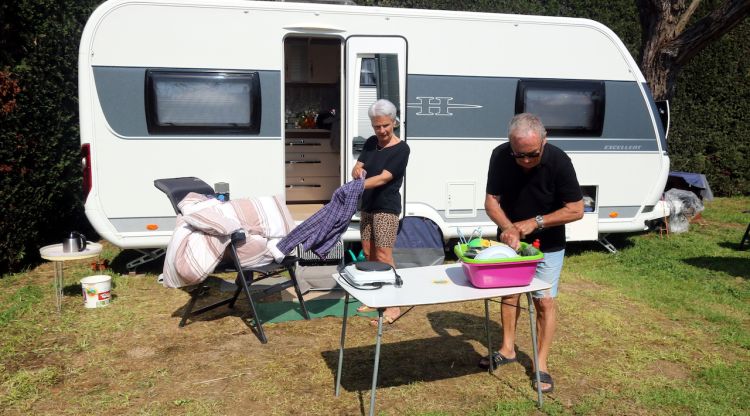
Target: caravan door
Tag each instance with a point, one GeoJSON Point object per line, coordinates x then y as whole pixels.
{"type": "Point", "coordinates": [375, 69]}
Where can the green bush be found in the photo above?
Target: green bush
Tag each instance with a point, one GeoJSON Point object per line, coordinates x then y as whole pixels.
{"type": "Point", "coordinates": [40, 186]}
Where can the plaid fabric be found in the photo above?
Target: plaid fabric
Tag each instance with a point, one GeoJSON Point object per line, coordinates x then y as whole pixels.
{"type": "Point", "coordinates": [321, 232]}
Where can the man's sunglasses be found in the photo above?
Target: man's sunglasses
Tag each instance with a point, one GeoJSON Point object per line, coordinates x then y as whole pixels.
{"type": "Point", "coordinates": [529, 155]}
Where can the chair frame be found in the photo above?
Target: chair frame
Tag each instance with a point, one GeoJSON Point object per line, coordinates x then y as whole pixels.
{"type": "Point", "coordinates": [745, 238]}
{"type": "Point", "coordinates": [246, 276]}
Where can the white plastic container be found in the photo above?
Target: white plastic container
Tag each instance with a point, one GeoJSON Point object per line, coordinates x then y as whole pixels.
{"type": "Point", "coordinates": [96, 290]}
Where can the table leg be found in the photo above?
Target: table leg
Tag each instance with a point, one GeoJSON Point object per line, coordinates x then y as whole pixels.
{"type": "Point", "coordinates": [58, 283]}
{"type": "Point", "coordinates": [377, 361]}
{"type": "Point", "coordinates": [487, 329]}
{"type": "Point", "coordinates": [341, 344]}
{"type": "Point", "coordinates": [532, 323]}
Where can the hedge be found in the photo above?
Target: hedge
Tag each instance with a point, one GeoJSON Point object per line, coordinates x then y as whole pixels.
{"type": "Point", "coordinates": [40, 177]}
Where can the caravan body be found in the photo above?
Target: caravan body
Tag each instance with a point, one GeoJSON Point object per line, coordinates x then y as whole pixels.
{"type": "Point", "coordinates": [219, 89]}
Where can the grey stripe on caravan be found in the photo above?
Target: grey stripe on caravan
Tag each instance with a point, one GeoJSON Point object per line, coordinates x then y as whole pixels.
{"type": "Point", "coordinates": [597, 145]}
{"type": "Point", "coordinates": [122, 90]}
{"type": "Point", "coordinates": [460, 106]}
{"type": "Point", "coordinates": [138, 224]}
{"type": "Point", "coordinates": [624, 213]}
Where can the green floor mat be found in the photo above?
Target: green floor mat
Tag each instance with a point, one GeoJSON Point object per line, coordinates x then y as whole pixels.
{"type": "Point", "coordinates": [317, 308]}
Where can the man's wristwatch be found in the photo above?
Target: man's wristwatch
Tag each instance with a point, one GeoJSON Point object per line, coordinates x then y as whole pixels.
{"type": "Point", "coordinates": [539, 222]}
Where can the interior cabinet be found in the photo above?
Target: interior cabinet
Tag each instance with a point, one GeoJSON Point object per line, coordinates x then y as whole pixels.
{"type": "Point", "coordinates": [312, 166]}
{"type": "Point", "coordinates": [313, 61]}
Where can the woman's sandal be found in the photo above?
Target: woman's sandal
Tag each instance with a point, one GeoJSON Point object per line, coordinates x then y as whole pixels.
{"type": "Point", "coordinates": [387, 320]}
{"type": "Point", "coordinates": [365, 309]}
{"type": "Point", "coordinates": [497, 360]}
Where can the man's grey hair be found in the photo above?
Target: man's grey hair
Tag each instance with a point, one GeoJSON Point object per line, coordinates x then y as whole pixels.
{"type": "Point", "coordinates": [521, 123]}
{"type": "Point", "coordinates": [382, 107]}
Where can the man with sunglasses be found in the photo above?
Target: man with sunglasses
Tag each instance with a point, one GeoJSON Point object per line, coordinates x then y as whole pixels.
{"type": "Point", "coordinates": [532, 192]}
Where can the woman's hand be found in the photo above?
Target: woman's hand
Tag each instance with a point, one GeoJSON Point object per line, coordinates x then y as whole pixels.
{"type": "Point", "coordinates": [357, 171]}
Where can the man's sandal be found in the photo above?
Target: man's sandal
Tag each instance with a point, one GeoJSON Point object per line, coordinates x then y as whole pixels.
{"type": "Point", "coordinates": [497, 360]}
{"type": "Point", "coordinates": [546, 379]}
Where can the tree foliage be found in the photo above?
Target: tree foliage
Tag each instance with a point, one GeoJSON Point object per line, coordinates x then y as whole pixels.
{"type": "Point", "coordinates": [672, 36]}
{"type": "Point", "coordinates": [40, 190]}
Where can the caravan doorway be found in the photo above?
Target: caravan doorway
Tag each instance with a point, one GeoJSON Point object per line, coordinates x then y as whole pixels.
{"type": "Point", "coordinates": [312, 129]}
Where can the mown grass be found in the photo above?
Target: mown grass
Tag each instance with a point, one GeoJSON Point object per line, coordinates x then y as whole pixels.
{"type": "Point", "coordinates": [699, 280]}
{"type": "Point", "coordinates": [659, 328]}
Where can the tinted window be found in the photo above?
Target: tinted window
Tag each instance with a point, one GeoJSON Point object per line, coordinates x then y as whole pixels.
{"type": "Point", "coordinates": [567, 108]}
{"type": "Point", "coordinates": [202, 102]}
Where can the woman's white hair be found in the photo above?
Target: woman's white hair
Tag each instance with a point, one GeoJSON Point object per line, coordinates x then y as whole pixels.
{"type": "Point", "coordinates": [382, 107]}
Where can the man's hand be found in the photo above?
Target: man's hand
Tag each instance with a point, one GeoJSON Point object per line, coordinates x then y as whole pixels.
{"type": "Point", "coordinates": [525, 227]}
{"type": "Point", "coordinates": [512, 237]}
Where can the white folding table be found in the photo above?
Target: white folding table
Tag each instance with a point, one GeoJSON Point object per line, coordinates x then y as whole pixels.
{"type": "Point", "coordinates": [55, 253]}
{"type": "Point", "coordinates": [428, 286]}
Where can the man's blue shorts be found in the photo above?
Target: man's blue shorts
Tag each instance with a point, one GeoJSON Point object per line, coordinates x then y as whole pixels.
{"type": "Point", "coordinates": [549, 270]}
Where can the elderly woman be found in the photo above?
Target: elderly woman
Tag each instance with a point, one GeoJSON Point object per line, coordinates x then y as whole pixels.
{"type": "Point", "coordinates": [384, 158]}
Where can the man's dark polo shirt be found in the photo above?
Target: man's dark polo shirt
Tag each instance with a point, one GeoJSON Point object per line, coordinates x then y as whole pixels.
{"type": "Point", "coordinates": [546, 188]}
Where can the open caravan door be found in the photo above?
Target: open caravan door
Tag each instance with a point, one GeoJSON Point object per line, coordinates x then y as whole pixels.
{"type": "Point", "coordinates": [375, 69]}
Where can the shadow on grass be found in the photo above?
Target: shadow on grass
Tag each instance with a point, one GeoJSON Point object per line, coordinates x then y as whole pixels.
{"type": "Point", "coordinates": [731, 245]}
{"type": "Point", "coordinates": [423, 360]}
{"type": "Point", "coordinates": [733, 266]}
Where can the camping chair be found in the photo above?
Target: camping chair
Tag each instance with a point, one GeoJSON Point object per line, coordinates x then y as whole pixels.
{"type": "Point", "coordinates": [176, 189]}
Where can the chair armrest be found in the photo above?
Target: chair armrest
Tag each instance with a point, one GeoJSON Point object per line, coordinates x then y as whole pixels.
{"type": "Point", "coordinates": [238, 236]}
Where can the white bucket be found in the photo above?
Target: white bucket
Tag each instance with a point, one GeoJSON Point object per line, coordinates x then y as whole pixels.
{"type": "Point", "coordinates": [96, 290]}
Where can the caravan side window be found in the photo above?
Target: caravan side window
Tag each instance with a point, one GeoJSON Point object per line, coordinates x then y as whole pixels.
{"type": "Point", "coordinates": [567, 108]}
{"type": "Point", "coordinates": [202, 102]}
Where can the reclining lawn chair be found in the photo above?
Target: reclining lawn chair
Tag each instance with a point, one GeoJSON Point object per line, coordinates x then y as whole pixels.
{"type": "Point", "coordinates": [176, 189]}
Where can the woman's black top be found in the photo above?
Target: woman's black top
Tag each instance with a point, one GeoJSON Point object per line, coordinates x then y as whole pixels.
{"type": "Point", "coordinates": [385, 198]}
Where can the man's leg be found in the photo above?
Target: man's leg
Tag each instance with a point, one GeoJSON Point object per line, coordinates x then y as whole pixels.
{"type": "Point", "coordinates": [546, 311]}
{"type": "Point", "coordinates": [546, 323]}
{"type": "Point", "coordinates": [509, 314]}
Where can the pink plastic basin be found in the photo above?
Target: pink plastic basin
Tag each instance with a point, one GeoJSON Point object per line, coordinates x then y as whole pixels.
{"type": "Point", "coordinates": [505, 274]}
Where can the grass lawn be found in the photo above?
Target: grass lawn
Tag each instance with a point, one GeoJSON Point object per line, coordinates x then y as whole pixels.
{"type": "Point", "coordinates": [662, 327]}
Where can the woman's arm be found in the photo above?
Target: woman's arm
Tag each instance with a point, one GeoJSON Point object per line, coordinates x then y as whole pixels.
{"type": "Point", "coordinates": [378, 180]}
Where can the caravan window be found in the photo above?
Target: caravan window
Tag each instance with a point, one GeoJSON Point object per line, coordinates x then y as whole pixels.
{"type": "Point", "coordinates": [367, 76]}
{"type": "Point", "coordinates": [567, 108]}
{"type": "Point", "coordinates": [202, 102]}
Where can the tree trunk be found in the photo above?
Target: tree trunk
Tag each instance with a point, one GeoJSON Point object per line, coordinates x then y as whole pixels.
{"type": "Point", "coordinates": [667, 43]}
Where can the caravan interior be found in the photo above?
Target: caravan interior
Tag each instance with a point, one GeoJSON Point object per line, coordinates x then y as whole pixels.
{"type": "Point", "coordinates": [312, 128]}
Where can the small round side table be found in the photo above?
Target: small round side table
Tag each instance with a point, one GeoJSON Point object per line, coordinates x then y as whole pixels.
{"type": "Point", "coordinates": [56, 254]}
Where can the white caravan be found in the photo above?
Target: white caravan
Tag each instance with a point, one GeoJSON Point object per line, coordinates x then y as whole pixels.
{"type": "Point", "coordinates": [227, 91]}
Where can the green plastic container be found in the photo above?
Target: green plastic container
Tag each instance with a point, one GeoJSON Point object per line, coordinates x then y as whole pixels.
{"type": "Point", "coordinates": [506, 272]}
{"type": "Point", "coordinates": [459, 249]}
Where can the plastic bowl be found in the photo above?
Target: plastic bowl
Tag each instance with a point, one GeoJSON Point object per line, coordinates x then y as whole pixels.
{"type": "Point", "coordinates": [492, 273]}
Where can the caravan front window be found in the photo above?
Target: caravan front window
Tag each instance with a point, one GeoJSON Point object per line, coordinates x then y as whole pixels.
{"type": "Point", "coordinates": [567, 108]}
{"type": "Point", "coordinates": [202, 102]}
